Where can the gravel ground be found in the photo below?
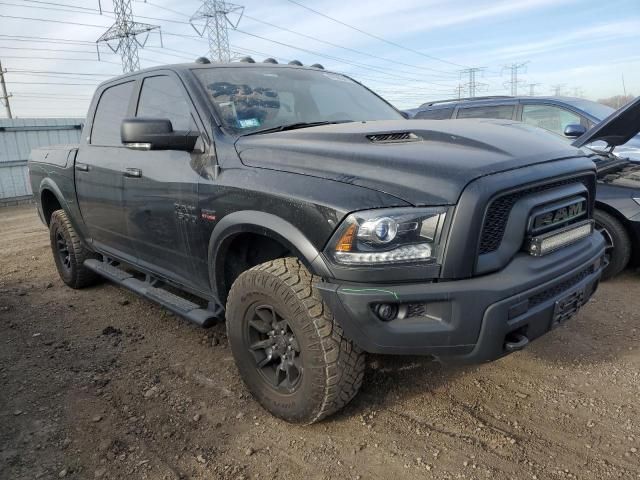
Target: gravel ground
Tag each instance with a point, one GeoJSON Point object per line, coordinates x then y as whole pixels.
{"type": "Point", "coordinates": [99, 383]}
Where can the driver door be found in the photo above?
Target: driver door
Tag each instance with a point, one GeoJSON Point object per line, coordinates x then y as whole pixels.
{"type": "Point", "coordinates": [160, 186]}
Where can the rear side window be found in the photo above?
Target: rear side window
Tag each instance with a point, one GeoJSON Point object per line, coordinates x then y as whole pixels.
{"type": "Point", "coordinates": [493, 111]}
{"type": "Point", "coordinates": [112, 109]}
{"type": "Point", "coordinates": [437, 114]}
{"type": "Point", "coordinates": [162, 97]}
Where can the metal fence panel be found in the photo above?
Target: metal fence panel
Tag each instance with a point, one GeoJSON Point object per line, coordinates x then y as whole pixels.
{"type": "Point", "coordinates": [18, 137]}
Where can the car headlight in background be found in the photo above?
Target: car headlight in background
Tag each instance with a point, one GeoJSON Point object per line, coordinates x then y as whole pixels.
{"type": "Point", "coordinates": [389, 236]}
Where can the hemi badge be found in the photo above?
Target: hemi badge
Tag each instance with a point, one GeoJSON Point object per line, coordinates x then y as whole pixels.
{"type": "Point", "coordinates": [208, 215]}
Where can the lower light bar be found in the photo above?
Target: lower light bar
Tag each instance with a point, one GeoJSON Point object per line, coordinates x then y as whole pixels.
{"type": "Point", "coordinates": [552, 241]}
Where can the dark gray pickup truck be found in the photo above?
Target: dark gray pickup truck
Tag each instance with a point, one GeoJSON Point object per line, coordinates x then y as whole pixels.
{"type": "Point", "coordinates": [305, 211]}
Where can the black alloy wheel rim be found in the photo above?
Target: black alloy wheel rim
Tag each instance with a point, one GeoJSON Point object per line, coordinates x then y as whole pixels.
{"type": "Point", "coordinates": [274, 348]}
{"type": "Point", "coordinates": [63, 251]}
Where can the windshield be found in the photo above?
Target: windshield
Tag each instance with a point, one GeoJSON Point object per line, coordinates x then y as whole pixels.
{"type": "Point", "coordinates": [251, 99]}
{"type": "Point", "coordinates": [595, 109]}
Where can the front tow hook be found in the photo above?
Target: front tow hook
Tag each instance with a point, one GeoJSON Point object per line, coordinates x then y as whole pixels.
{"type": "Point", "coordinates": [515, 342]}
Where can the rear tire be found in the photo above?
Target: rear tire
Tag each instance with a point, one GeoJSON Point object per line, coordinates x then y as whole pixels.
{"type": "Point", "coordinates": [70, 253]}
{"type": "Point", "coordinates": [290, 351]}
{"type": "Point", "coordinates": [618, 248]}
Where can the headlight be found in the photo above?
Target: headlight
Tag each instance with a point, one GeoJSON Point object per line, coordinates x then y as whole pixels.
{"type": "Point", "coordinates": [389, 236]}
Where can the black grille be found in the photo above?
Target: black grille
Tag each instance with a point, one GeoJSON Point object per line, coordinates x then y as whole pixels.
{"type": "Point", "coordinates": [495, 221]}
{"type": "Point", "coordinates": [556, 290]}
{"type": "Point", "coordinates": [398, 137]}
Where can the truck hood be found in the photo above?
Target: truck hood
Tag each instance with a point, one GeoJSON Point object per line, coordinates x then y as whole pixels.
{"type": "Point", "coordinates": [423, 162]}
{"type": "Point", "coordinates": [617, 129]}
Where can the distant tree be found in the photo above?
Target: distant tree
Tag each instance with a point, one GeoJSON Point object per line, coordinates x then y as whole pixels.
{"type": "Point", "coordinates": [616, 101]}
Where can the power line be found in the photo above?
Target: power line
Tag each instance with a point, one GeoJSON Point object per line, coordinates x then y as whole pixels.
{"type": "Point", "coordinates": [397, 45]}
{"type": "Point", "coordinates": [125, 32]}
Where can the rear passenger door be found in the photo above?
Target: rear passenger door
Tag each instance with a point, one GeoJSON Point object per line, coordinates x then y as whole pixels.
{"type": "Point", "coordinates": [160, 186]}
{"type": "Point", "coordinates": [99, 172]}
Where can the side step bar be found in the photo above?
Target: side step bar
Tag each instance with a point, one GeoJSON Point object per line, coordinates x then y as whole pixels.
{"type": "Point", "coordinates": [176, 304]}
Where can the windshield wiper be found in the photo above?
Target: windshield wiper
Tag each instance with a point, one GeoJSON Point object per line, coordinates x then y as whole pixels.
{"type": "Point", "coordinates": [295, 126]}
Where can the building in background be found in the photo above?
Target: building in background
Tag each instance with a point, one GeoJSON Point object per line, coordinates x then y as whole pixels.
{"type": "Point", "coordinates": [17, 138]}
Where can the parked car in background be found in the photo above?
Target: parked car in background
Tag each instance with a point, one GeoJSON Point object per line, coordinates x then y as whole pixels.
{"type": "Point", "coordinates": [554, 114]}
{"type": "Point", "coordinates": [617, 213]}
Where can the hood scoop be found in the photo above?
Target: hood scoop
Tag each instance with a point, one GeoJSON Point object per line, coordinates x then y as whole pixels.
{"type": "Point", "coordinates": [395, 137]}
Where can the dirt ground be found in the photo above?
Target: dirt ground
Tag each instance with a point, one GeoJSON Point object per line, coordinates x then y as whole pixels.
{"type": "Point", "coordinates": [99, 383]}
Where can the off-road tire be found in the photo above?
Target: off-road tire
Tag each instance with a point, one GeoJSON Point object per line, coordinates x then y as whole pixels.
{"type": "Point", "coordinates": [619, 253]}
{"type": "Point", "coordinates": [333, 366]}
{"type": "Point", "coordinates": [75, 275]}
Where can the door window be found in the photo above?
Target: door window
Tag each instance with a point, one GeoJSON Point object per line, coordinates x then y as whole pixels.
{"type": "Point", "coordinates": [112, 109]}
{"type": "Point", "coordinates": [162, 97]}
{"type": "Point", "coordinates": [492, 111]}
{"type": "Point", "coordinates": [549, 117]}
{"type": "Point", "coordinates": [436, 114]}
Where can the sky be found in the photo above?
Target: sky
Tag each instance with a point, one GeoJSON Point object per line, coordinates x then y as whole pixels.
{"type": "Point", "coordinates": [408, 51]}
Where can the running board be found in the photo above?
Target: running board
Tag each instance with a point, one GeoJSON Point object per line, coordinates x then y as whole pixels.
{"type": "Point", "coordinates": [204, 317]}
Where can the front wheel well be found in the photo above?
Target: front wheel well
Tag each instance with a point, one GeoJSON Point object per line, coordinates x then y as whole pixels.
{"type": "Point", "coordinates": [50, 204]}
{"type": "Point", "coordinates": [242, 252]}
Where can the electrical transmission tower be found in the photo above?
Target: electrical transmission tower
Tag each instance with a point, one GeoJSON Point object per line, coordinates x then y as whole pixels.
{"type": "Point", "coordinates": [122, 36]}
{"type": "Point", "coordinates": [473, 85]}
{"type": "Point", "coordinates": [532, 88]}
{"type": "Point", "coordinates": [515, 68]}
{"type": "Point", "coordinates": [212, 19]}
{"type": "Point", "coordinates": [558, 89]}
{"type": "Point", "coordinates": [4, 97]}
{"type": "Point", "coordinates": [459, 90]}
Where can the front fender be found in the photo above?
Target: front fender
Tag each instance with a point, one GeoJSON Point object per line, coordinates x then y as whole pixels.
{"type": "Point", "coordinates": [272, 226]}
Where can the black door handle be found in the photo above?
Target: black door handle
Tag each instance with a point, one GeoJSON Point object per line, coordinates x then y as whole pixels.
{"type": "Point", "coordinates": [82, 167]}
{"type": "Point", "coordinates": [133, 173]}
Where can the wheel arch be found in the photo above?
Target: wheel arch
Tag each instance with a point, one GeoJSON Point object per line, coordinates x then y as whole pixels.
{"type": "Point", "coordinates": [50, 199]}
{"type": "Point", "coordinates": [254, 225]}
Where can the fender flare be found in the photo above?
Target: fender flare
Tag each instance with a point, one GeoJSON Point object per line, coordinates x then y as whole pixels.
{"type": "Point", "coordinates": [48, 184]}
{"type": "Point", "coordinates": [269, 225]}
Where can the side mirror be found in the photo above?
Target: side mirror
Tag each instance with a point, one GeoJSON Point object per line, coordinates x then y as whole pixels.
{"type": "Point", "coordinates": [574, 131]}
{"type": "Point", "coordinates": [155, 134]}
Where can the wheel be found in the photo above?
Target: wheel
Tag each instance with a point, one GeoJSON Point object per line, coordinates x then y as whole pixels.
{"type": "Point", "coordinates": [618, 249]}
{"type": "Point", "coordinates": [290, 351]}
{"type": "Point", "coordinates": [69, 252]}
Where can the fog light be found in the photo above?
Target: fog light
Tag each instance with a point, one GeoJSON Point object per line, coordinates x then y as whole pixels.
{"type": "Point", "coordinates": [386, 311]}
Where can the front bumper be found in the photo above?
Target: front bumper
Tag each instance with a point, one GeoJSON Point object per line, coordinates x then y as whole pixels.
{"type": "Point", "coordinates": [477, 319]}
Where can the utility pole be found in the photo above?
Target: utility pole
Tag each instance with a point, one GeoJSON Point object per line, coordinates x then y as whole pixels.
{"type": "Point", "coordinates": [473, 85]}
{"type": "Point", "coordinates": [577, 92]}
{"type": "Point", "coordinates": [458, 91]}
{"type": "Point", "coordinates": [4, 97]}
{"type": "Point", "coordinates": [513, 83]}
{"type": "Point", "coordinates": [122, 36]}
{"type": "Point", "coordinates": [624, 87]}
{"type": "Point", "coordinates": [213, 19]}
{"type": "Point", "coordinates": [532, 89]}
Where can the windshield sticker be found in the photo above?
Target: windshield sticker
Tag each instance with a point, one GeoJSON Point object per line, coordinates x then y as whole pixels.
{"type": "Point", "coordinates": [248, 123]}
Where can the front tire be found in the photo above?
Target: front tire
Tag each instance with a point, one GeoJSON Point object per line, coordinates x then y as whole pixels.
{"type": "Point", "coordinates": [69, 252]}
{"type": "Point", "coordinates": [618, 249]}
{"type": "Point", "coordinates": [290, 351]}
